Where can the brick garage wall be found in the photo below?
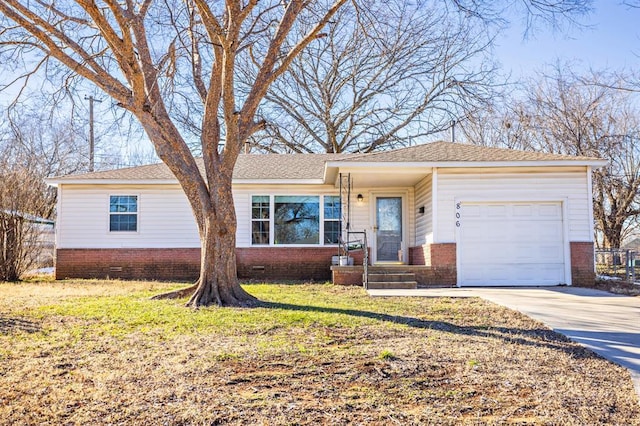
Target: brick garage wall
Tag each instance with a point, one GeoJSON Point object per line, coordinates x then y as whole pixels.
{"type": "Point", "coordinates": [437, 254]}
{"type": "Point", "coordinates": [582, 263]}
{"type": "Point", "coordinates": [299, 263]}
{"type": "Point", "coordinates": [443, 254]}
{"type": "Point", "coordinates": [443, 264]}
{"type": "Point", "coordinates": [161, 264]}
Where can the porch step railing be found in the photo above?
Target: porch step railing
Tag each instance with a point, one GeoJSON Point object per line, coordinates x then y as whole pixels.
{"type": "Point", "coordinates": [360, 243]}
{"type": "Point", "coordinates": [346, 185]}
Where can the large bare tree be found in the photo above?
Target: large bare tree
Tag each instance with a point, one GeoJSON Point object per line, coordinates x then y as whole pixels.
{"type": "Point", "coordinates": [391, 73]}
{"type": "Point", "coordinates": [158, 59]}
{"type": "Point", "coordinates": [386, 75]}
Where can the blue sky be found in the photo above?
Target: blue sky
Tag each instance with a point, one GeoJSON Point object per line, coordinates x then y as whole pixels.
{"type": "Point", "coordinates": [611, 41]}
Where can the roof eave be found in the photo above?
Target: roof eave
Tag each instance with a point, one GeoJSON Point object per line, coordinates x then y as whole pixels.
{"type": "Point", "coordinates": [80, 181]}
{"type": "Point", "coordinates": [57, 182]}
{"type": "Point", "coordinates": [462, 164]}
{"type": "Point", "coordinates": [278, 181]}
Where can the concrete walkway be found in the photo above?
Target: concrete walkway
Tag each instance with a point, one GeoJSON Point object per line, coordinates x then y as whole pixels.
{"type": "Point", "coordinates": [607, 324]}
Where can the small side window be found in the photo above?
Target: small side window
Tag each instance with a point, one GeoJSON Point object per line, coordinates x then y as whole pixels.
{"type": "Point", "coordinates": [123, 213]}
{"type": "Point", "coordinates": [331, 219]}
{"type": "Point", "coordinates": [260, 220]}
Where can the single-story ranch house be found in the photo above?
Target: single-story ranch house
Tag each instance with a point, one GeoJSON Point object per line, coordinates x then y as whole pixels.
{"type": "Point", "coordinates": [452, 214]}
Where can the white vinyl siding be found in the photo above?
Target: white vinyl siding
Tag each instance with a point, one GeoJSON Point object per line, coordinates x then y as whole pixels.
{"type": "Point", "coordinates": [164, 218]}
{"type": "Point", "coordinates": [424, 222]}
{"type": "Point", "coordinates": [490, 186]}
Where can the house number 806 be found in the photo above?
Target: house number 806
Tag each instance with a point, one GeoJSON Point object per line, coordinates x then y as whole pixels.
{"type": "Point", "coordinates": [457, 215]}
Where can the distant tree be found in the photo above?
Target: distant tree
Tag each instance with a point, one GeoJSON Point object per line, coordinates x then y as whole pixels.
{"type": "Point", "coordinates": [31, 148]}
{"type": "Point", "coordinates": [382, 77]}
{"type": "Point", "coordinates": [23, 202]}
{"type": "Point", "coordinates": [393, 73]}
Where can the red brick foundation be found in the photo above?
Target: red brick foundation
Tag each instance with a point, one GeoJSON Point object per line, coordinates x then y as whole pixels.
{"type": "Point", "coordinates": [299, 263]}
{"type": "Point", "coordinates": [347, 275]}
{"type": "Point", "coordinates": [582, 264]}
{"type": "Point", "coordinates": [419, 255]}
{"type": "Point", "coordinates": [161, 264]}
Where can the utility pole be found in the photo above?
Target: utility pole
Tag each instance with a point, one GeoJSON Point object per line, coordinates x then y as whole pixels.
{"type": "Point", "coordinates": [91, 100]}
{"type": "Point", "coordinates": [453, 130]}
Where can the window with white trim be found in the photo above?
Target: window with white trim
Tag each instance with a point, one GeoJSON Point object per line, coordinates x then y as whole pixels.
{"type": "Point", "coordinates": [123, 213]}
{"type": "Point", "coordinates": [295, 219]}
{"type": "Point", "coordinates": [260, 208]}
{"type": "Point", "coordinates": [331, 219]}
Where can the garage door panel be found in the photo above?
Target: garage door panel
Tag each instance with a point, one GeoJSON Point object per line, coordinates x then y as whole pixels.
{"type": "Point", "coordinates": [525, 210]}
{"type": "Point", "coordinates": [548, 231]}
{"type": "Point", "coordinates": [496, 211]}
{"type": "Point", "coordinates": [550, 253]}
{"type": "Point", "coordinates": [472, 211]}
{"type": "Point", "coordinates": [513, 275]}
{"type": "Point", "coordinates": [510, 244]}
{"type": "Point", "coordinates": [550, 210]}
{"type": "Point", "coordinates": [521, 233]}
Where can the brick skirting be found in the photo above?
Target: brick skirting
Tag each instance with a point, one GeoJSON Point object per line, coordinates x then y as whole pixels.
{"type": "Point", "coordinates": [419, 255]}
{"type": "Point", "coordinates": [160, 264]}
{"type": "Point", "coordinates": [295, 263]}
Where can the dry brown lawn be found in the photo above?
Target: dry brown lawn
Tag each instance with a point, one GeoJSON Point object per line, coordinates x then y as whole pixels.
{"type": "Point", "coordinates": [616, 287]}
{"type": "Point", "coordinates": [98, 352]}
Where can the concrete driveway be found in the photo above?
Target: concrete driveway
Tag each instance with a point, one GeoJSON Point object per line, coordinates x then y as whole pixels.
{"type": "Point", "coordinates": [607, 324]}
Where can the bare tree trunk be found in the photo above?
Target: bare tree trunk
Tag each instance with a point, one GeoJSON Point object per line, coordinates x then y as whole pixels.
{"type": "Point", "coordinates": [613, 237]}
{"type": "Point", "coordinates": [218, 281]}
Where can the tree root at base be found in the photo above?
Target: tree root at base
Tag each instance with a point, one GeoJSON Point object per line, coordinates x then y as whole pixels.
{"type": "Point", "coordinates": [196, 297]}
{"type": "Point", "coordinates": [176, 294]}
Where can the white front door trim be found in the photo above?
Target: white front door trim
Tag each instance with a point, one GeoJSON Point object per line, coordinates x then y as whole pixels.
{"type": "Point", "coordinates": [373, 196]}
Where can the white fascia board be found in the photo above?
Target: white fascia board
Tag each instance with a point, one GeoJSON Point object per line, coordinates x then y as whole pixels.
{"type": "Point", "coordinates": [80, 181]}
{"type": "Point", "coordinates": [463, 164]}
{"type": "Point", "coordinates": [278, 181]}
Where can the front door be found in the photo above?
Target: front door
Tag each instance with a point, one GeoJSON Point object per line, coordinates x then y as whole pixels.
{"type": "Point", "coordinates": [388, 229]}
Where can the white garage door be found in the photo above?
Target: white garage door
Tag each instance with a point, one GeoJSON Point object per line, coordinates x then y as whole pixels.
{"type": "Point", "coordinates": [510, 244]}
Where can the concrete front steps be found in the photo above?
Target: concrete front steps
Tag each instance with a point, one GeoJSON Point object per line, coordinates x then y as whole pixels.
{"type": "Point", "coordinates": [391, 277]}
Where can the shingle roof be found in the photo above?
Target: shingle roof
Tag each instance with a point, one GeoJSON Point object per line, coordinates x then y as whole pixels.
{"type": "Point", "coordinates": [248, 167]}
{"type": "Point", "coordinates": [282, 166]}
{"type": "Point", "coordinates": [436, 152]}
{"type": "Point", "coordinates": [312, 166]}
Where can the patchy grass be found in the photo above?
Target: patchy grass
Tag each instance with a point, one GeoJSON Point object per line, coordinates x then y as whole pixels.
{"type": "Point", "coordinates": [101, 352]}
